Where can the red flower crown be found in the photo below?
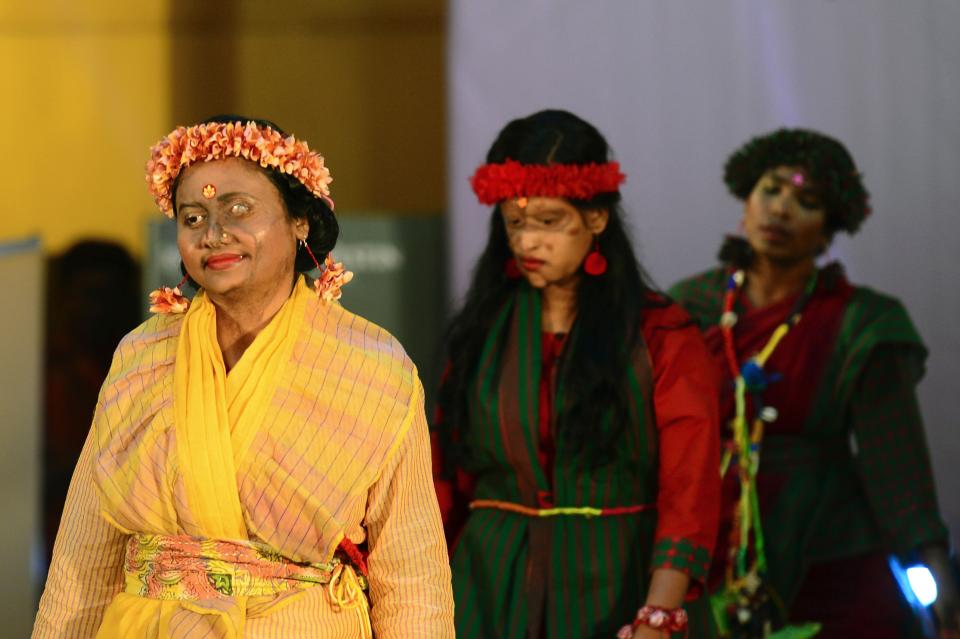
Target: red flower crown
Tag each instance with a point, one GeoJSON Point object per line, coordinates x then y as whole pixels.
{"type": "Point", "coordinates": [497, 182]}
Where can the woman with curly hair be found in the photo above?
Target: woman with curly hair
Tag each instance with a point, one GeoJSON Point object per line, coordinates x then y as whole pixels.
{"type": "Point", "coordinates": [825, 465]}
{"type": "Point", "coordinates": [577, 436]}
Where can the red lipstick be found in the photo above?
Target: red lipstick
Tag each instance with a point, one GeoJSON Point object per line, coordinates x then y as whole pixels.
{"type": "Point", "coordinates": [222, 261]}
{"type": "Point", "coordinates": [530, 264]}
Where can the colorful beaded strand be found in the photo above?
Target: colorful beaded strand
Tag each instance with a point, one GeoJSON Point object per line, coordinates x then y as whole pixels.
{"type": "Point", "coordinates": [747, 441]}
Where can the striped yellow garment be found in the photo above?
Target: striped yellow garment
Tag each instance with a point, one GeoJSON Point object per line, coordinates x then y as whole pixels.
{"type": "Point", "coordinates": [317, 433]}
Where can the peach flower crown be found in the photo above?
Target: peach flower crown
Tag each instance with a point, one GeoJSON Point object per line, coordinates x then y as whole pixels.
{"type": "Point", "coordinates": [215, 141]}
{"type": "Point", "coordinates": [263, 144]}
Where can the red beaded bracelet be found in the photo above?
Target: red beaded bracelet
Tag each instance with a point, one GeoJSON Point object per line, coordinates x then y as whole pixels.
{"type": "Point", "coordinates": [671, 620]}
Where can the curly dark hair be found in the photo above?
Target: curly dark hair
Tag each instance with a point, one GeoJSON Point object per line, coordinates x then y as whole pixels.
{"type": "Point", "coordinates": [827, 162]}
{"type": "Point", "coordinates": [609, 307]}
{"type": "Point", "coordinates": [300, 203]}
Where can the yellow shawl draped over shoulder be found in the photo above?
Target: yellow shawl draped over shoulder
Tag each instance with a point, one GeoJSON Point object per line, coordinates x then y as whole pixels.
{"type": "Point", "coordinates": [317, 433]}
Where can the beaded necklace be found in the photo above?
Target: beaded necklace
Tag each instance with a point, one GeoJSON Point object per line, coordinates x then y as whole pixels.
{"type": "Point", "coordinates": [750, 377]}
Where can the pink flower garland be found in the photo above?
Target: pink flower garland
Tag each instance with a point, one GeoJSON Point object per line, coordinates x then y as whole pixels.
{"type": "Point", "coordinates": [215, 141]}
{"type": "Point", "coordinates": [494, 183]}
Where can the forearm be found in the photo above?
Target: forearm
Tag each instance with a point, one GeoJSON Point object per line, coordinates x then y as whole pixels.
{"type": "Point", "coordinates": [892, 456]}
{"type": "Point", "coordinates": [668, 588]}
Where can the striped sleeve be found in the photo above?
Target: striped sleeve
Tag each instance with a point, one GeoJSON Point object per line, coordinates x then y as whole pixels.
{"type": "Point", "coordinates": [86, 570]}
{"type": "Point", "coordinates": [892, 455]}
{"type": "Point", "coordinates": [410, 587]}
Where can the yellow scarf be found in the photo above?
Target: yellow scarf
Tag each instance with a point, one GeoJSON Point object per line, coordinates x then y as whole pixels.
{"type": "Point", "coordinates": [216, 417]}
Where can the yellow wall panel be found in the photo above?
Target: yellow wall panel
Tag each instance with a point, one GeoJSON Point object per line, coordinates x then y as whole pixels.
{"type": "Point", "coordinates": [85, 15]}
{"type": "Point", "coordinates": [88, 86]}
{"type": "Point", "coordinates": [86, 92]}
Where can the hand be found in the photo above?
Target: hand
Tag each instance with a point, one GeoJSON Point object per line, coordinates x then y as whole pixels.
{"type": "Point", "coordinates": [667, 589]}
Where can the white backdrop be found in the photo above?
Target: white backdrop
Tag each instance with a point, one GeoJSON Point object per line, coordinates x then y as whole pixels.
{"type": "Point", "coordinates": [675, 86]}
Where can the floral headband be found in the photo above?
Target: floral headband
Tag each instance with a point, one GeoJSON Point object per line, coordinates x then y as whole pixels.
{"type": "Point", "coordinates": [215, 141]}
{"type": "Point", "coordinates": [497, 182]}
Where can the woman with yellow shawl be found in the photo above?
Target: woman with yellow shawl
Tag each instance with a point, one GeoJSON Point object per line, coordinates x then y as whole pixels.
{"type": "Point", "coordinates": [259, 464]}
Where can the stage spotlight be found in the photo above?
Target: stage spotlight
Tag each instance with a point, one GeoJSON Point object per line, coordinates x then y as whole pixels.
{"type": "Point", "coordinates": [922, 583]}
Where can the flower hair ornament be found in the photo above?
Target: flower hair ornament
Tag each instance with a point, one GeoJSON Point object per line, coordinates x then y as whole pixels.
{"type": "Point", "coordinates": [166, 300]}
{"type": "Point", "coordinates": [494, 183]}
{"type": "Point", "coordinates": [215, 141]}
{"type": "Point", "coordinates": [333, 276]}
{"type": "Point", "coordinates": [262, 144]}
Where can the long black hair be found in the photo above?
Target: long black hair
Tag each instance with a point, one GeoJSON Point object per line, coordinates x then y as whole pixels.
{"type": "Point", "coordinates": [300, 203]}
{"type": "Point", "coordinates": [609, 306]}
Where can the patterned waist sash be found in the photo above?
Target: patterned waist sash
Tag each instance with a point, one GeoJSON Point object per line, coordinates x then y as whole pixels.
{"type": "Point", "coordinates": [559, 511]}
{"type": "Point", "coordinates": [184, 568]}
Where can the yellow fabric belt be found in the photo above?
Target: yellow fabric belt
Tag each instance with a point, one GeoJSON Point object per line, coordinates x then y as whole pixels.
{"type": "Point", "coordinates": [176, 567]}
{"type": "Point", "coordinates": [220, 577]}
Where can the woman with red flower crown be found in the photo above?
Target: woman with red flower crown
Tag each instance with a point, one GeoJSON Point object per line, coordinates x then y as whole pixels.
{"type": "Point", "coordinates": [576, 435]}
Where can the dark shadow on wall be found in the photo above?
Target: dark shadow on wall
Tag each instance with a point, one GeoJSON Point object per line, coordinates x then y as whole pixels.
{"type": "Point", "coordinates": [93, 300]}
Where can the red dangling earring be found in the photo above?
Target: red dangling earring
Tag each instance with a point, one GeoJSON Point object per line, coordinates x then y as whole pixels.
{"type": "Point", "coordinates": [511, 270]}
{"type": "Point", "coordinates": [596, 263]}
{"type": "Point", "coordinates": [313, 257]}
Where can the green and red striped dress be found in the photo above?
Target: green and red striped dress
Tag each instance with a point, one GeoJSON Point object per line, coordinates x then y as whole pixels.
{"type": "Point", "coordinates": [844, 476]}
{"type": "Point", "coordinates": [569, 577]}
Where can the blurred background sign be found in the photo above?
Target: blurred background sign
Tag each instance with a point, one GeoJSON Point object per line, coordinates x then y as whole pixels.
{"type": "Point", "coordinates": [399, 264]}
